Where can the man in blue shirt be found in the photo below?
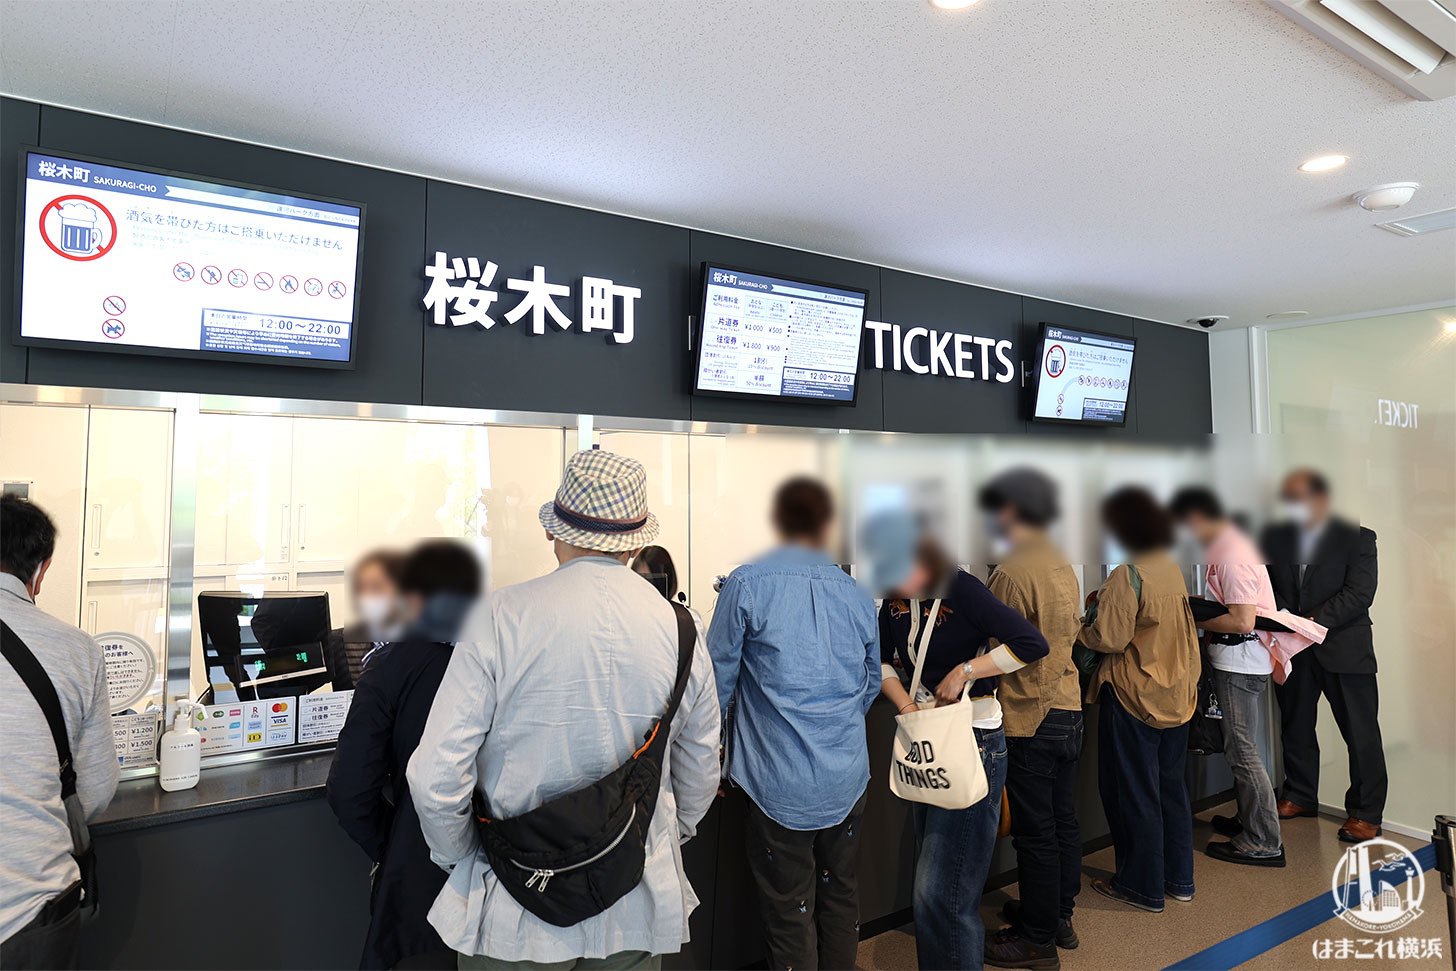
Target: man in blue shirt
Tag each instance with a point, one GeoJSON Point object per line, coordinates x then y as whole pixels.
{"type": "Point", "coordinates": [795, 648]}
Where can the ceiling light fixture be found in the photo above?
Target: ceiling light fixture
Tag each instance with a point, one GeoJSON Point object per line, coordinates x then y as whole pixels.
{"type": "Point", "coordinates": [1288, 315]}
{"type": "Point", "coordinates": [952, 4]}
{"type": "Point", "coordinates": [1384, 198]}
{"type": "Point", "coordinates": [1324, 163]}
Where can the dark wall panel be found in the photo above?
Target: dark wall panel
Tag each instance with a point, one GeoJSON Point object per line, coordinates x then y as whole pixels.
{"type": "Point", "coordinates": [1034, 313]}
{"type": "Point", "coordinates": [19, 125]}
{"type": "Point", "coordinates": [388, 364]}
{"type": "Point", "coordinates": [509, 366]}
{"type": "Point", "coordinates": [1175, 392]}
{"type": "Point", "coordinates": [277, 887]}
{"type": "Point", "coordinates": [867, 412]}
{"type": "Point", "coordinates": [937, 402]}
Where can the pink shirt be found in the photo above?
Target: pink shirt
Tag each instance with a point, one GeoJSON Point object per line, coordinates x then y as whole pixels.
{"type": "Point", "coordinates": [1237, 575]}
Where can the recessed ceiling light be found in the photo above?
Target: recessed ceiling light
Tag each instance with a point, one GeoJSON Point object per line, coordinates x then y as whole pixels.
{"type": "Point", "coordinates": [1450, 326]}
{"type": "Point", "coordinates": [952, 4]}
{"type": "Point", "coordinates": [1324, 163]}
{"type": "Point", "coordinates": [1288, 315]}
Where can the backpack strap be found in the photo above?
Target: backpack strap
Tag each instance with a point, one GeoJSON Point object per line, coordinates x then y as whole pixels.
{"type": "Point", "coordinates": [687, 642]}
{"type": "Point", "coordinates": [25, 664]}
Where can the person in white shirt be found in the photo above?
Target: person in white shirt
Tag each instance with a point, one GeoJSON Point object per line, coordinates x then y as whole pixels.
{"type": "Point", "coordinates": [553, 684]}
{"type": "Point", "coordinates": [40, 890]}
{"type": "Point", "coordinates": [1241, 665]}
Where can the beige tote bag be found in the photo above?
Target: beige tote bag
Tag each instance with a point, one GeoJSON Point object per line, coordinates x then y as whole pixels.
{"type": "Point", "coordinates": [935, 759]}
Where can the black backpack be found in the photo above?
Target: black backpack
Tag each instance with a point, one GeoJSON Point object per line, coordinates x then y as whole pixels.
{"type": "Point", "coordinates": [574, 856]}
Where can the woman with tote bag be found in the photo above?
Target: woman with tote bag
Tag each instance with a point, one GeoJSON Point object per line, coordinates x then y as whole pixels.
{"type": "Point", "coordinates": [940, 621]}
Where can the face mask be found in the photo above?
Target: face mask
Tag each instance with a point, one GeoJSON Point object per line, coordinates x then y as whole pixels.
{"type": "Point", "coordinates": [1299, 513]}
{"type": "Point", "coordinates": [376, 610]}
{"type": "Point", "coordinates": [1000, 543]}
{"type": "Point", "coordinates": [442, 617]}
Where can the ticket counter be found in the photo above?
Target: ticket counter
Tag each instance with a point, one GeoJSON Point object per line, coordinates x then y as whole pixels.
{"type": "Point", "coordinates": [162, 498]}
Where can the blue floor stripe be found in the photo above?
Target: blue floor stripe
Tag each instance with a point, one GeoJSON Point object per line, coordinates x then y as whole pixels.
{"type": "Point", "coordinates": [1276, 930]}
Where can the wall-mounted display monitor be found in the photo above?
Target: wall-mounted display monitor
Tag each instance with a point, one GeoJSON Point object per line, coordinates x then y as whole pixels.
{"type": "Point", "coordinates": [1082, 376]}
{"type": "Point", "coordinates": [763, 336]}
{"type": "Point", "coordinates": [116, 257]}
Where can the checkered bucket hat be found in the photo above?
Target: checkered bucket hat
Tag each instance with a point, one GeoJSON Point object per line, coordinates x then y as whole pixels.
{"type": "Point", "coordinates": [601, 504]}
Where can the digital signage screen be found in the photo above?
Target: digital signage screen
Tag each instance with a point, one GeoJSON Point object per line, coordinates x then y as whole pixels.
{"type": "Point", "coordinates": [1082, 377]}
{"type": "Point", "coordinates": [115, 257]}
{"type": "Point", "coordinates": [763, 336]}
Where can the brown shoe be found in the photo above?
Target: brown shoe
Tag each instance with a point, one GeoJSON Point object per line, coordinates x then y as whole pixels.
{"type": "Point", "coordinates": [1358, 831]}
{"type": "Point", "coordinates": [1293, 810]}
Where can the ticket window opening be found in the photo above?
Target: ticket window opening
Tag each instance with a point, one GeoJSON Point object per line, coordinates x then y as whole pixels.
{"type": "Point", "coordinates": [264, 645]}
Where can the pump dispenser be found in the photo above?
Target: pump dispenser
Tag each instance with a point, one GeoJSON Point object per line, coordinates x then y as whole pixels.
{"type": "Point", "coordinates": [181, 755]}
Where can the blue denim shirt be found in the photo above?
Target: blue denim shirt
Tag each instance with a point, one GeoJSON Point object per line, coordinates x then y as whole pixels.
{"type": "Point", "coordinates": [795, 647]}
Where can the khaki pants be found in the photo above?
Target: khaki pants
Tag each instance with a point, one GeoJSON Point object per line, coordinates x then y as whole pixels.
{"type": "Point", "coordinates": [621, 961]}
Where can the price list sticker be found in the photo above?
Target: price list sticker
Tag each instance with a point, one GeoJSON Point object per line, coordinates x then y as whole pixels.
{"type": "Point", "coordinates": [135, 738]}
{"type": "Point", "coordinates": [321, 717]}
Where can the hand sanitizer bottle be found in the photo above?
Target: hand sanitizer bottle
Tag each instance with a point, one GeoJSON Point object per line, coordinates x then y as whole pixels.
{"type": "Point", "coordinates": [181, 757]}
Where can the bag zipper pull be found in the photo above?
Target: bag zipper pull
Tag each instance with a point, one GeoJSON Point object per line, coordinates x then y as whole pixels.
{"type": "Point", "coordinates": [539, 879]}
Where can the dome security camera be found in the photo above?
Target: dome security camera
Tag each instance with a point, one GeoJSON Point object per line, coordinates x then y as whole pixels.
{"type": "Point", "coordinates": [1211, 320]}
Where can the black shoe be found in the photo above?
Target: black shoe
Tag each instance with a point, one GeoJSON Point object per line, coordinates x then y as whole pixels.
{"type": "Point", "coordinates": [1008, 949]}
{"type": "Point", "coordinates": [1065, 934]}
{"type": "Point", "coordinates": [1227, 825]}
{"type": "Point", "coordinates": [1225, 851]}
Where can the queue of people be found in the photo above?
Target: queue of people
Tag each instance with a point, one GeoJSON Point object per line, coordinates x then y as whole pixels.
{"type": "Point", "coordinates": [522, 768]}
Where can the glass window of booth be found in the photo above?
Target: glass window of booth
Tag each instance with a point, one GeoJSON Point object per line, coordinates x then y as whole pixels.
{"type": "Point", "coordinates": [104, 475]}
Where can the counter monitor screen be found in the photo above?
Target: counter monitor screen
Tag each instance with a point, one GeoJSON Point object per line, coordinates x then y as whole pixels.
{"type": "Point", "coordinates": [1083, 377]}
{"type": "Point", "coordinates": [767, 337]}
{"type": "Point", "coordinates": [119, 258]}
{"type": "Point", "coordinates": [266, 645]}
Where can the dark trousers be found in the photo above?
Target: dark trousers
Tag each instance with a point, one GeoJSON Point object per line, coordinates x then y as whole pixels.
{"type": "Point", "coordinates": [51, 941]}
{"type": "Point", "coordinates": [1355, 703]}
{"type": "Point", "coordinates": [1041, 789]}
{"type": "Point", "coordinates": [808, 894]}
{"type": "Point", "coordinates": [1140, 777]}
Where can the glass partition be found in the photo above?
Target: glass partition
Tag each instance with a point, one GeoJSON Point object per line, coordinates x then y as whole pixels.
{"type": "Point", "coordinates": [277, 501]}
{"type": "Point", "coordinates": [104, 475]}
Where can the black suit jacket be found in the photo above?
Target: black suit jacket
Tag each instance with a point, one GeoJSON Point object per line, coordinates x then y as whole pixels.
{"type": "Point", "coordinates": [371, 799]}
{"type": "Point", "coordinates": [1337, 590]}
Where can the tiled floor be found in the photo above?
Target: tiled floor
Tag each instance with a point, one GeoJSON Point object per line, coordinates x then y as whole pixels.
{"type": "Point", "coordinates": [1230, 899]}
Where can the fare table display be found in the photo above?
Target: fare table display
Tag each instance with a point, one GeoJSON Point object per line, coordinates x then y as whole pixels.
{"type": "Point", "coordinates": [772, 337]}
{"type": "Point", "coordinates": [120, 258]}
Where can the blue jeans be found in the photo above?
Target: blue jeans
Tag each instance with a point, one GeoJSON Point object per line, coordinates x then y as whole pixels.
{"type": "Point", "coordinates": [1041, 789]}
{"type": "Point", "coordinates": [1140, 776]}
{"type": "Point", "coordinates": [954, 857]}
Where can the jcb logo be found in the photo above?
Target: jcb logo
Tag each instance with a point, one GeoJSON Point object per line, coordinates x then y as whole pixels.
{"type": "Point", "coordinates": [921, 753]}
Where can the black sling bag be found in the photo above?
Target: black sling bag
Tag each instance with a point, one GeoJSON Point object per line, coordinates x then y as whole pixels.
{"type": "Point", "coordinates": [41, 687]}
{"type": "Point", "coordinates": [573, 857]}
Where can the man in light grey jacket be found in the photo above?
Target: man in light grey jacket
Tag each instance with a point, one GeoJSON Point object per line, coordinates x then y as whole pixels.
{"type": "Point", "coordinates": [39, 880]}
{"type": "Point", "coordinates": [552, 686]}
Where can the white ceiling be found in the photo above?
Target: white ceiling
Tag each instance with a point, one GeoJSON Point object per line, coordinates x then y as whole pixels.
{"type": "Point", "coordinates": [1132, 155]}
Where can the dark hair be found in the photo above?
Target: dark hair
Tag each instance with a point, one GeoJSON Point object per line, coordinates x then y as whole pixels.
{"type": "Point", "coordinates": [27, 537]}
{"type": "Point", "coordinates": [802, 508]}
{"type": "Point", "coordinates": [390, 561]}
{"type": "Point", "coordinates": [1136, 520]}
{"type": "Point", "coordinates": [1314, 478]}
{"type": "Point", "coordinates": [992, 499]}
{"type": "Point", "coordinates": [1195, 499]}
{"type": "Point", "coordinates": [930, 554]}
{"type": "Point", "coordinates": [658, 562]}
{"type": "Point", "coordinates": [440, 566]}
